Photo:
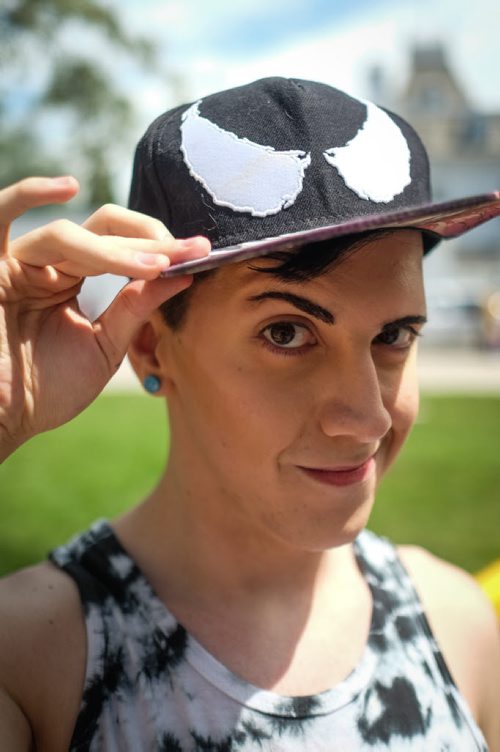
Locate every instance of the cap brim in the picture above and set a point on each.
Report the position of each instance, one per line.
(441, 220)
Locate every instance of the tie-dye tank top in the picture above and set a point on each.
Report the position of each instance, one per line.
(150, 686)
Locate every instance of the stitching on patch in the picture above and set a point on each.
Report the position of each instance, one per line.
(254, 179)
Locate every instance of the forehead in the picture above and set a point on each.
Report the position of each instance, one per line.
(390, 265)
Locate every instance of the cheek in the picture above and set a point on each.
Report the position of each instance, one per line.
(404, 411)
(233, 413)
(262, 417)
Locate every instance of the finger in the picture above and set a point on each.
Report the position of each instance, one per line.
(116, 220)
(31, 192)
(75, 250)
(177, 250)
(132, 307)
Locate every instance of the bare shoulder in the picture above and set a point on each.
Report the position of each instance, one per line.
(444, 585)
(43, 650)
(465, 626)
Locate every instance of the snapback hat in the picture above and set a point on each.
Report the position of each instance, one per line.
(280, 163)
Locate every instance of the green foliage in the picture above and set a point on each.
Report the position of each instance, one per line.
(25, 15)
(96, 115)
(20, 156)
(45, 17)
(443, 493)
(91, 94)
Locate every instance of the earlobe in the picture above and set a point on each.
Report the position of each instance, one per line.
(143, 356)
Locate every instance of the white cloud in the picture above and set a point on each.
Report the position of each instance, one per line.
(341, 52)
(340, 58)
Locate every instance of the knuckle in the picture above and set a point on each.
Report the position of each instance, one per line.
(102, 215)
(159, 229)
(23, 191)
(59, 229)
(150, 227)
(131, 303)
(106, 210)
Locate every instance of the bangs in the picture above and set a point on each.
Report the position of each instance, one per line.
(312, 260)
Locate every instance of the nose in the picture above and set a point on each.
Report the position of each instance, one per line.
(351, 402)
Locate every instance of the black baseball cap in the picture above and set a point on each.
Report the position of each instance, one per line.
(281, 163)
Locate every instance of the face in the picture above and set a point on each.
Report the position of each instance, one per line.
(289, 401)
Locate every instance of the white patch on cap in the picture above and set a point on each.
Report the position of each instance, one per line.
(238, 173)
(375, 164)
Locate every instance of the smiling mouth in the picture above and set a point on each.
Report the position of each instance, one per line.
(342, 476)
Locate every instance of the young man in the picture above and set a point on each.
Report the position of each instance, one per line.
(242, 605)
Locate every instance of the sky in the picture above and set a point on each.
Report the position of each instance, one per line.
(221, 43)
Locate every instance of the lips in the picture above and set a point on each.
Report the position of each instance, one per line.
(342, 476)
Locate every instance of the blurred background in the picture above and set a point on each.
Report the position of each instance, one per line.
(80, 80)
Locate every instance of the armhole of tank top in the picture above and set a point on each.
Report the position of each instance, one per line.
(460, 703)
(95, 660)
(425, 624)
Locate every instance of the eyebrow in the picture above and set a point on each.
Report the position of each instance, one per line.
(307, 306)
(405, 321)
(303, 304)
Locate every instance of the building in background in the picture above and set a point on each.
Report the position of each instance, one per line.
(464, 149)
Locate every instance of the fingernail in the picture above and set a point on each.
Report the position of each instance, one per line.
(153, 259)
(62, 180)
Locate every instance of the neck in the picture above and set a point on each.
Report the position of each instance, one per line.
(199, 534)
(266, 609)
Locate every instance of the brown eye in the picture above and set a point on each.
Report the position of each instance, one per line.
(287, 335)
(397, 337)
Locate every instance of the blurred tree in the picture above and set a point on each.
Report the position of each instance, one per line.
(56, 88)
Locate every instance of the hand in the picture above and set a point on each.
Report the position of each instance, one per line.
(53, 360)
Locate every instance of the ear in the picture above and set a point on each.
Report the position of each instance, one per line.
(143, 351)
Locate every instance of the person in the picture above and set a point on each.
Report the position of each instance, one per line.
(274, 244)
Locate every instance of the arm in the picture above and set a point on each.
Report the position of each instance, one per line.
(53, 360)
(15, 732)
(466, 629)
(42, 659)
(53, 363)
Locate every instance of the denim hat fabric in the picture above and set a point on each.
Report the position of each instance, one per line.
(280, 163)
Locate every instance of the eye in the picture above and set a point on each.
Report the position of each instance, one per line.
(398, 337)
(286, 335)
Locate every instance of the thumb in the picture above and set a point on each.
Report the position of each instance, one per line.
(130, 309)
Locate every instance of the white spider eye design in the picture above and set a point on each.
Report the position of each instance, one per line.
(375, 164)
(250, 177)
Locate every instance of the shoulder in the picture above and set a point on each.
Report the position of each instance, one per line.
(465, 627)
(446, 586)
(43, 650)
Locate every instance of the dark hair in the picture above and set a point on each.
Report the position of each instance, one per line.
(174, 310)
(299, 265)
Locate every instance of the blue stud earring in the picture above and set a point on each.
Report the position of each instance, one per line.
(152, 383)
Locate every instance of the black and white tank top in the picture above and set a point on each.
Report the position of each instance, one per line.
(151, 686)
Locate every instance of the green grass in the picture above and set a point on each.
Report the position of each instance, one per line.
(444, 492)
(95, 466)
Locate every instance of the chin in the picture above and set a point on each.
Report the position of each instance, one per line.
(336, 527)
(344, 535)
